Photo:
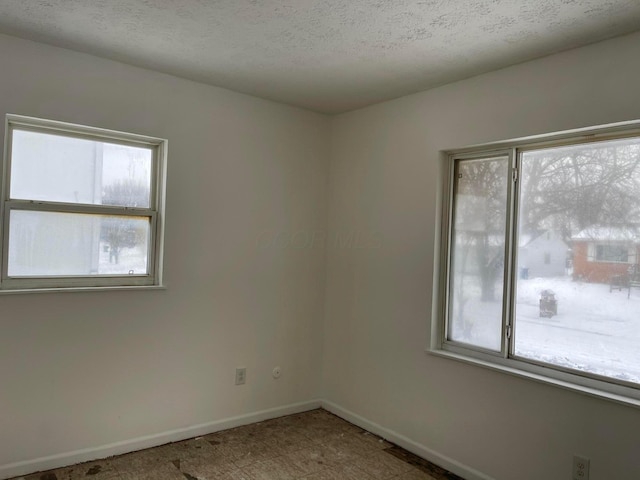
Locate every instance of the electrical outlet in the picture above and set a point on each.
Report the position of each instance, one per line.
(276, 372)
(580, 468)
(241, 376)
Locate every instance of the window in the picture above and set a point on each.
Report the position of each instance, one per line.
(81, 206)
(574, 323)
(612, 253)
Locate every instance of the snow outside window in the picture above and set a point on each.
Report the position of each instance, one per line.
(578, 321)
(81, 207)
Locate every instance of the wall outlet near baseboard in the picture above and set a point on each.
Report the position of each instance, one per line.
(580, 468)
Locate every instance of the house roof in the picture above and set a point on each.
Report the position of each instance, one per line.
(525, 239)
(608, 233)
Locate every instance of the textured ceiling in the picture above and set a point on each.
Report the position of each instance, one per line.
(326, 55)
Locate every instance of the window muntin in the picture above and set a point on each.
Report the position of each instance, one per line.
(574, 190)
(81, 206)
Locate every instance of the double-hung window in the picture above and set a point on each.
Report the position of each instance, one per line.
(81, 207)
(539, 259)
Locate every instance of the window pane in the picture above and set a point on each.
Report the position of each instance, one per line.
(59, 244)
(580, 311)
(478, 251)
(56, 168)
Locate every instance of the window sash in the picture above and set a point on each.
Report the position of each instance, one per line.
(49, 281)
(506, 359)
(84, 133)
(455, 162)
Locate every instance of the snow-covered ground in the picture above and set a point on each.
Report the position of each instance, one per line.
(129, 259)
(595, 330)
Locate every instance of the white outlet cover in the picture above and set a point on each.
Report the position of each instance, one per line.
(276, 372)
(241, 375)
(580, 468)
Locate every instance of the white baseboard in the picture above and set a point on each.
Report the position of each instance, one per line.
(70, 458)
(439, 459)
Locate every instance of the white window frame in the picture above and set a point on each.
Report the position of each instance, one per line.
(603, 387)
(155, 212)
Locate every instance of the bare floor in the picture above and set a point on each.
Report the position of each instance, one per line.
(314, 445)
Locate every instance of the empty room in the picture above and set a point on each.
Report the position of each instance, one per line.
(320, 239)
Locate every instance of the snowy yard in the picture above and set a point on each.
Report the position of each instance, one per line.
(132, 259)
(595, 330)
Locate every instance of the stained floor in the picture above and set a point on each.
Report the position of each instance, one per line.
(315, 445)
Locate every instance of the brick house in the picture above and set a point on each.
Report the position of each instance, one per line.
(600, 253)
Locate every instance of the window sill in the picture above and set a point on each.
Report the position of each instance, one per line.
(22, 291)
(567, 385)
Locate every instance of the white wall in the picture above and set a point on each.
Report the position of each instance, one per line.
(82, 370)
(384, 174)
